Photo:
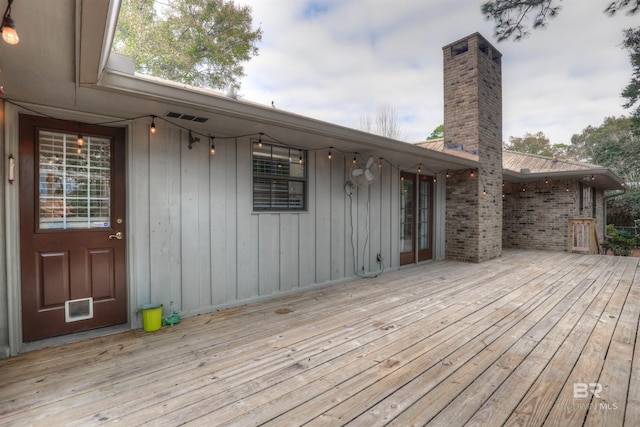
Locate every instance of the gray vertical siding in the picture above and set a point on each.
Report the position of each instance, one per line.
(4, 300)
(196, 244)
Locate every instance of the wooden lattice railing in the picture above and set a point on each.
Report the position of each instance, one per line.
(583, 236)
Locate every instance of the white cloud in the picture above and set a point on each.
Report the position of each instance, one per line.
(337, 60)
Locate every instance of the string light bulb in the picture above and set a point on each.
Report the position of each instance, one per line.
(472, 173)
(9, 33)
(300, 159)
(446, 174)
(152, 128)
(435, 178)
(420, 168)
(330, 156)
(260, 140)
(212, 150)
(354, 158)
(80, 140)
(380, 163)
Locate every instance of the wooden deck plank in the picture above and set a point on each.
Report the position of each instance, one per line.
(234, 360)
(526, 337)
(445, 341)
(174, 345)
(539, 383)
(389, 362)
(316, 384)
(608, 407)
(519, 299)
(571, 410)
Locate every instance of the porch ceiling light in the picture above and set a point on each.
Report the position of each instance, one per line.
(9, 33)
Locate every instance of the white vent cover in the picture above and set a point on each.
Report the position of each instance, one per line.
(78, 309)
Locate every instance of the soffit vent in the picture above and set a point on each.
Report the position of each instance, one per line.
(188, 117)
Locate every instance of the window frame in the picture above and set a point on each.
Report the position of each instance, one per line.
(281, 175)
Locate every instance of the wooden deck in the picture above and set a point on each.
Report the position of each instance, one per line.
(532, 338)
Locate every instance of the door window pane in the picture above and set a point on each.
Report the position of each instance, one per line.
(406, 216)
(74, 181)
(424, 238)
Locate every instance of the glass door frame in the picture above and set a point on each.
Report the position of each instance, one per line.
(411, 217)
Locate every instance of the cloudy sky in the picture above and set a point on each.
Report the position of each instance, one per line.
(337, 60)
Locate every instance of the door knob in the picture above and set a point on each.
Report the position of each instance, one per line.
(118, 236)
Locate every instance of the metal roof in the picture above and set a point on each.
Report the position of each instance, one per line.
(523, 167)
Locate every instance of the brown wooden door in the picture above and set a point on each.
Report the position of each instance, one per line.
(72, 212)
(416, 218)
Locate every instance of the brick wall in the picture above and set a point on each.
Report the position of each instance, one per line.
(462, 228)
(538, 218)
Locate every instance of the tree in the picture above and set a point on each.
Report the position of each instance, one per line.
(510, 15)
(437, 133)
(632, 91)
(533, 144)
(387, 122)
(614, 144)
(196, 42)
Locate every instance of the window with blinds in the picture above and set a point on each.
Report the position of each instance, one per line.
(74, 181)
(279, 178)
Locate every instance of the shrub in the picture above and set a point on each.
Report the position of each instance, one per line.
(619, 242)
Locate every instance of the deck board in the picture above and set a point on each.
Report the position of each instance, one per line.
(443, 343)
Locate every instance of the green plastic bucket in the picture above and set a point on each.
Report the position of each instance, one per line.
(151, 317)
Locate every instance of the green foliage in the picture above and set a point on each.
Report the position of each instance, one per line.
(534, 144)
(437, 133)
(632, 91)
(623, 210)
(616, 145)
(618, 242)
(196, 42)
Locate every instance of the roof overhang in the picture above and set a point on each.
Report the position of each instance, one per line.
(602, 178)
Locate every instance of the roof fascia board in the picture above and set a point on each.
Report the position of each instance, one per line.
(95, 27)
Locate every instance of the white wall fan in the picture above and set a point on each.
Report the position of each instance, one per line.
(365, 170)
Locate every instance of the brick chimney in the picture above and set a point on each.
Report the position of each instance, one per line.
(473, 123)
